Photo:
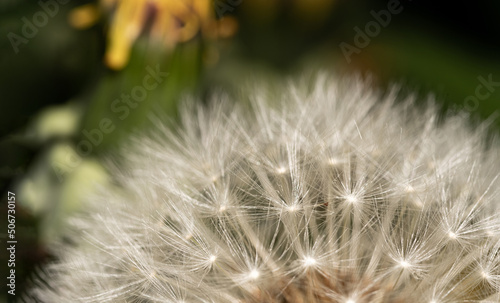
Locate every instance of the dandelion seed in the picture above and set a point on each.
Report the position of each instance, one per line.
(410, 189)
(333, 161)
(292, 208)
(222, 208)
(309, 261)
(352, 199)
(404, 264)
(281, 170)
(254, 274)
(485, 275)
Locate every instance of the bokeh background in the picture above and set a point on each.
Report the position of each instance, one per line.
(70, 70)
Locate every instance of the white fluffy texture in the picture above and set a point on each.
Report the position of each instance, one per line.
(334, 195)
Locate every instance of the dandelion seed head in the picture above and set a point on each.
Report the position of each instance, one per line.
(307, 200)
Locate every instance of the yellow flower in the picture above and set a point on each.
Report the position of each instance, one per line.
(168, 21)
(172, 21)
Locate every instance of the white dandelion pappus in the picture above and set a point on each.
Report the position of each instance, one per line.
(336, 194)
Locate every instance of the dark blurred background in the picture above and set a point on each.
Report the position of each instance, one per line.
(61, 77)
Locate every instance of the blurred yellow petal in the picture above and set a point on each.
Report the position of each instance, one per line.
(190, 28)
(84, 16)
(164, 28)
(182, 12)
(204, 10)
(108, 3)
(227, 27)
(168, 21)
(118, 52)
(124, 30)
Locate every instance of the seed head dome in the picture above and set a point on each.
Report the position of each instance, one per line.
(327, 192)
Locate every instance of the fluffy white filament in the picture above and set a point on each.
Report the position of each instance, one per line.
(330, 194)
